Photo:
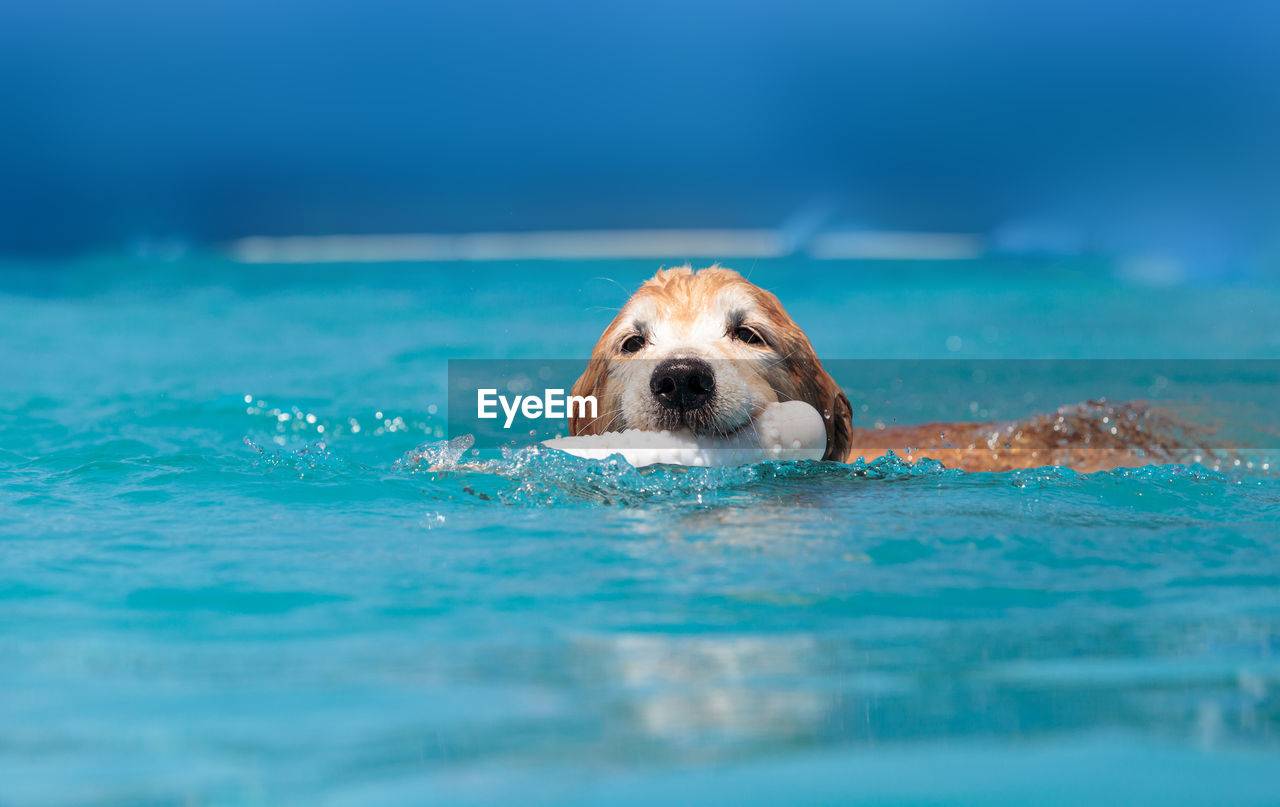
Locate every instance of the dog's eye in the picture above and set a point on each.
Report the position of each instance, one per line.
(749, 335)
(633, 343)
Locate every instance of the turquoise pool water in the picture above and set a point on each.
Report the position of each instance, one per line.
(220, 583)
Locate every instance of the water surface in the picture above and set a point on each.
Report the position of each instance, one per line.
(223, 579)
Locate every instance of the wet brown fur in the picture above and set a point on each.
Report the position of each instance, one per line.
(1087, 437)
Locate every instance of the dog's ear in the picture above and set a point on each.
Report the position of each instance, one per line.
(818, 389)
(840, 424)
(591, 382)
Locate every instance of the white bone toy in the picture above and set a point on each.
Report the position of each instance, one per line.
(782, 431)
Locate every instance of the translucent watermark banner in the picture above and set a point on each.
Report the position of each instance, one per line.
(990, 404)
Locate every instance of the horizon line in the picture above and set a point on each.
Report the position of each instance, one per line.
(670, 244)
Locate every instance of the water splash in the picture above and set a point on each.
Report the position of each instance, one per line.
(536, 476)
(313, 460)
(544, 477)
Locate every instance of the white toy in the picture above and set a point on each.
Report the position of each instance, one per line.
(783, 431)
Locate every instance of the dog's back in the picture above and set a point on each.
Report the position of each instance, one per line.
(1091, 436)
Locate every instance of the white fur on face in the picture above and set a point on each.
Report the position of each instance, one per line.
(741, 389)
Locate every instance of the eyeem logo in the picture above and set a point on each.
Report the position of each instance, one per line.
(553, 405)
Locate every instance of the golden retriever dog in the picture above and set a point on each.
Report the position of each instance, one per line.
(707, 350)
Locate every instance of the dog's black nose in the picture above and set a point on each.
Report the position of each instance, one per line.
(684, 384)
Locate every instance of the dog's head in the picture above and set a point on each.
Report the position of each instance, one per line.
(706, 351)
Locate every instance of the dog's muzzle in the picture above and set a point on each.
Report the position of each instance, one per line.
(683, 384)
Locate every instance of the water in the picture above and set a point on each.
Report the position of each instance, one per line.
(224, 579)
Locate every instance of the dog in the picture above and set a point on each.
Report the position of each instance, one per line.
(707, 350)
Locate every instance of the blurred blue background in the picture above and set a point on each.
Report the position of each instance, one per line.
(1138, 128)
(229, 577)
